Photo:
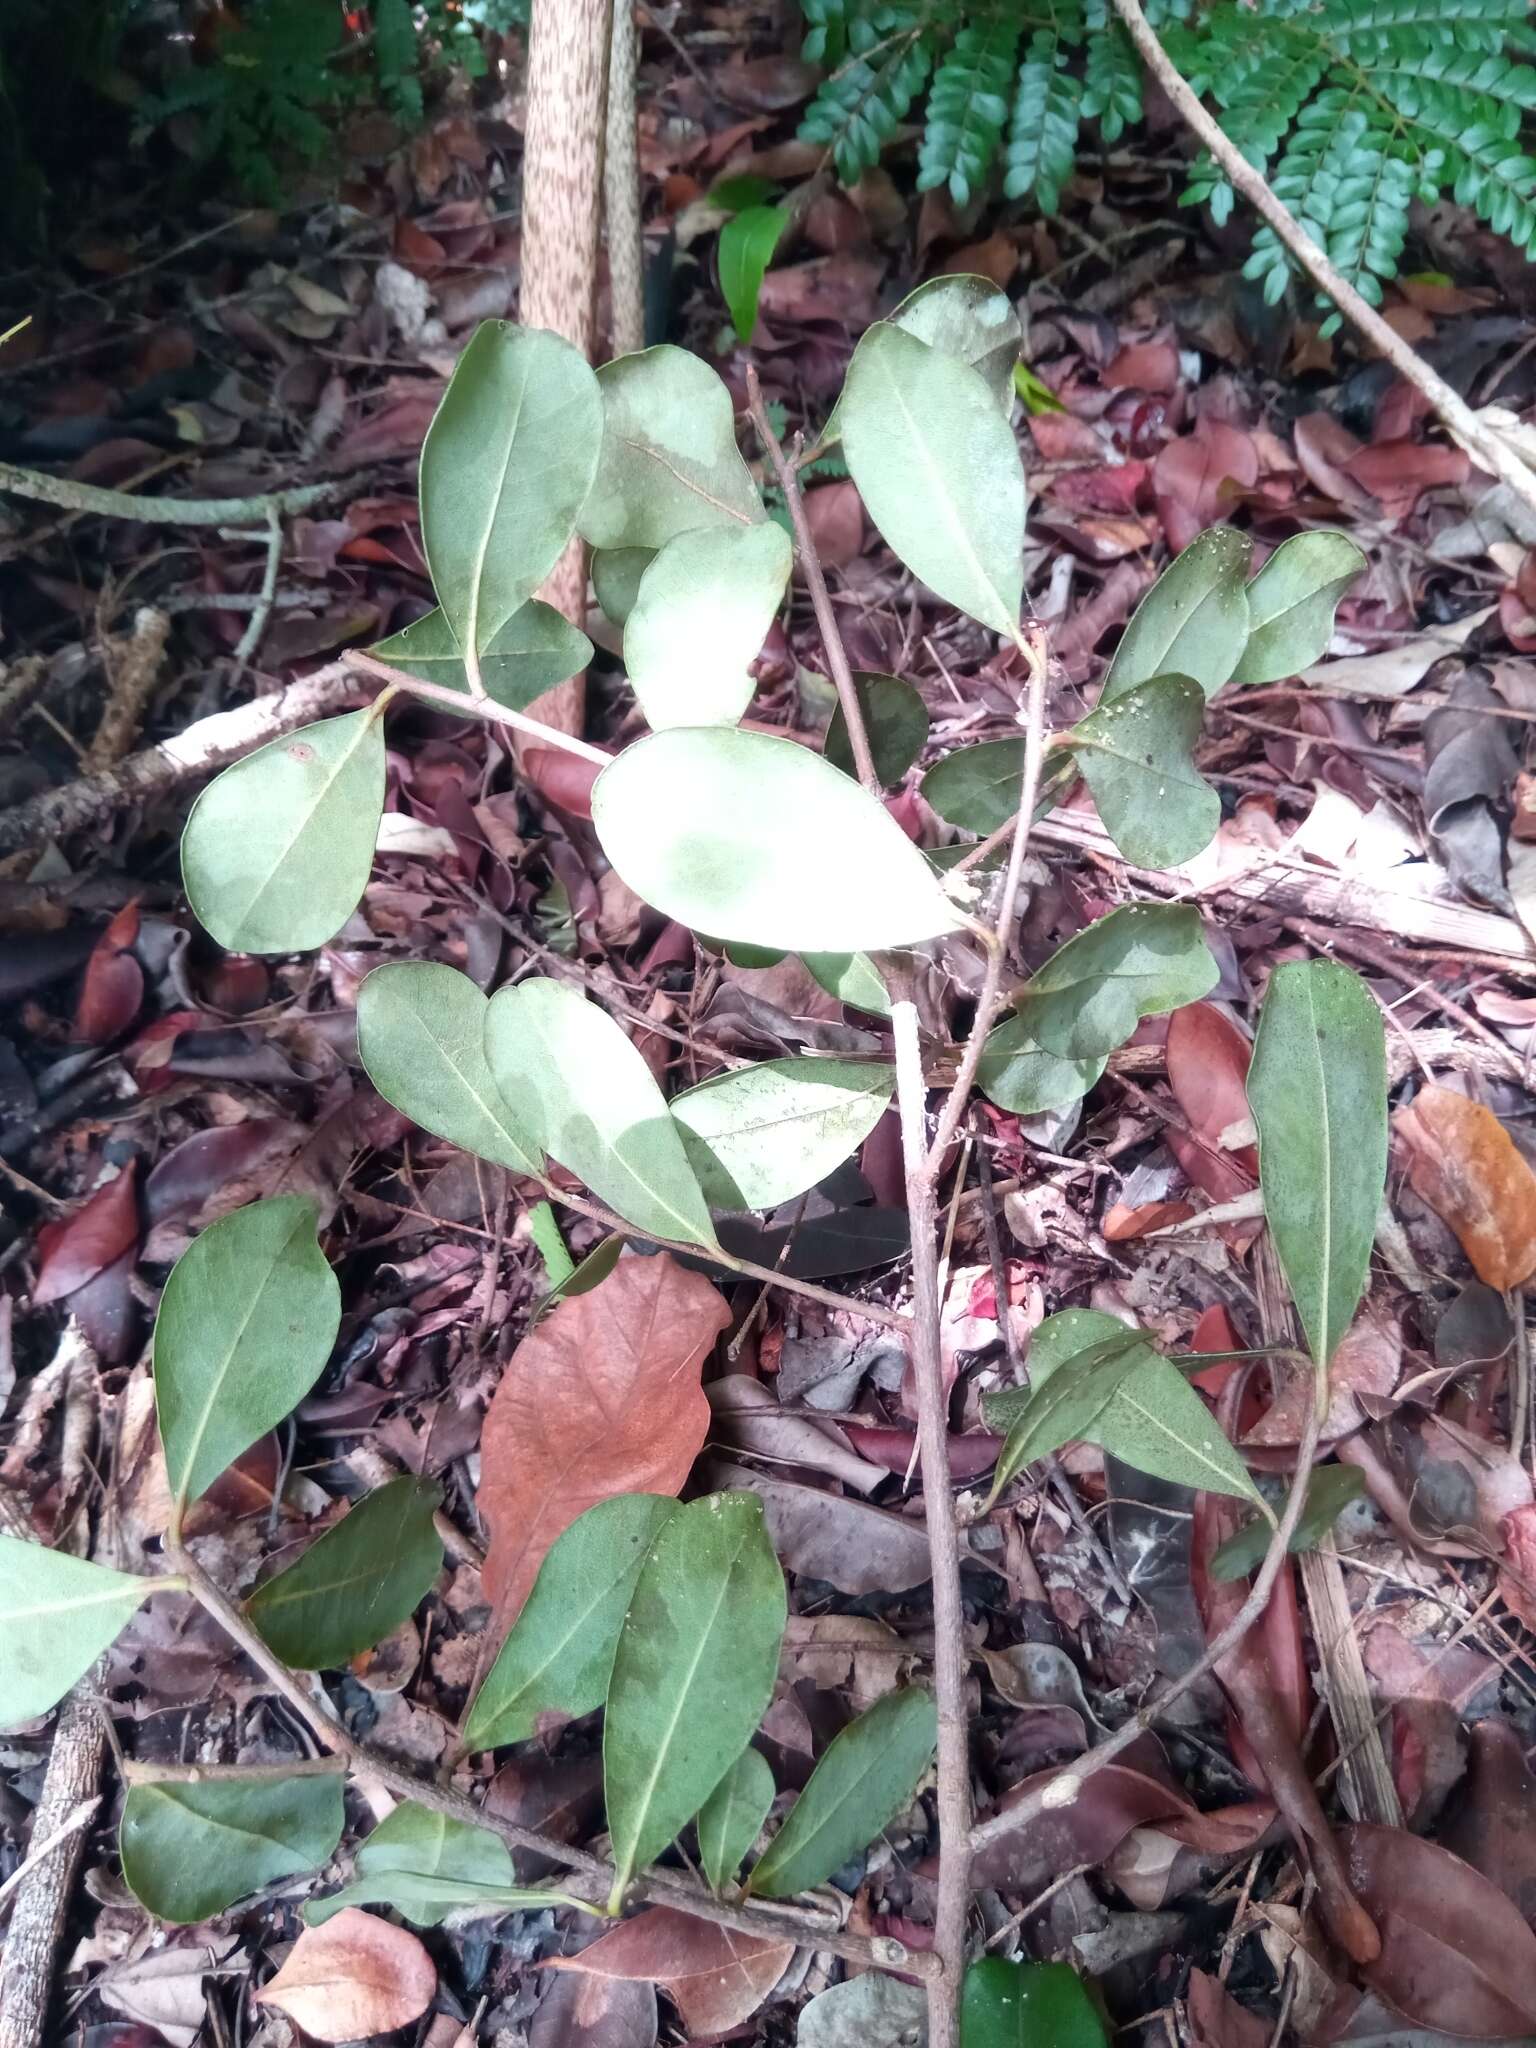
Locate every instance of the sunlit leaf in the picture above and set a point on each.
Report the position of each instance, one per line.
(1291, 603)
(977, 788)
(533, 651)
(1317, 1087)
(968, 318)
(507, 463)
(692, 1674)
(421, 1038)
(868, 1775)
(57, 1614)
(190, 1850)
(357, 1583)
(1139, 961)
(754, 839)
(246, 1324)
(1137, 757)
(1192, 622)
(939, 470)
(426, 1865)
(747, 244)
(700, 617)
(277, 850)
(764, 1134)
(896, 720)
(592, 1103)
(1027, 2005)
(557, 1659)
(670, 460)
(731, 1818)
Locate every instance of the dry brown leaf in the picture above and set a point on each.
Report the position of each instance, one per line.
(602, 1398)
(1464, 1164)
(715, 1976)
(354, 1977)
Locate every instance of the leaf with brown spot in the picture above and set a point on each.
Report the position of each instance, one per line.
(715, 1976)
(602, 1398)
(1464, 1164)
(352, 1978)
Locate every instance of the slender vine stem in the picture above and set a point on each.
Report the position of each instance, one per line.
(467, 704)
(92, 498)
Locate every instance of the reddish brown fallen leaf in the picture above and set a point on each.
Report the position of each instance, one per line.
(1397, 473)
(969, 1455)
(354, 1977)
(1216, 2020)
(602, 1398)
(1197, 479)
(1144, 366)
(563, 778)
(1493, 1825)
(594, 2012)
(835, 514)
(113, 987)
(1517, 1573)
(1455, 1954)
(715, 1976)
(1164, 1861)
(1368, 1361)
(1112, 1801)
(89, 1240)
(1121, 1224)
(1464, 1164)
(1208, 1071)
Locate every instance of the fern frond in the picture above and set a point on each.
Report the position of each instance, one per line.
(1329, 134)
(1047, 110)
(394, 56)
(1464, 24)
(968, 104)
(1111, 77)
(859, 107)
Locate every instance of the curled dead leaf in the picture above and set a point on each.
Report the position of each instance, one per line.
(353, 1977)
(1464, 1164)
(715, 1976)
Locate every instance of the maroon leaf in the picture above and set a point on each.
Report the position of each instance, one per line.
(1493, 1827)
(113, 987)
(83, 1244)
(1197, 480)
(715, 1976)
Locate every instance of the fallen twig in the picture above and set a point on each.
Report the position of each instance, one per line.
(74, 497)
(47, 1879)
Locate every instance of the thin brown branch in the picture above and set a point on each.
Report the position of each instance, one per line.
(42, 1898)
(816, 584)
(472, 705)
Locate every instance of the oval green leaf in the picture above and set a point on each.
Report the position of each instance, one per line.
(558, 1657)
(1317, 1087)
(57, 1615)
(868, 1775)
(756, 840)
(533, 651)
(191, 1850)
(425, 1864)
(732, 1817)
(357, 1583)
(1017, 1073)
(246, 1324)
(968, 318)
(616, 574)
(764, 1134)
(1192, 622)
(747, 244)
(421, 1038)
(277, 850)
(852, 978)
(939, 470)
(977, 788)
(700, 617)
(1329, 1492)
(1291, 603)
(1027, 2005)
(670, 460)
(692, 1674)
(1137, 757)
(896, 719)
(592, 1103)
(507, 463)
(1139, 961)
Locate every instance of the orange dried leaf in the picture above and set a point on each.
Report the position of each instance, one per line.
(1464, 1164)
(352, 1978)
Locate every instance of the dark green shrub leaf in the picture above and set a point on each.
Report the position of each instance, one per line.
(896, 719)
(939, 470)
(756, 840)
(425, 1865)
(246, 1324)
(747, 244)
(559, 1654)
(968, 318)
(670, 460)
(764, 1134)
(852, 978)
(1291, 603)
(616, 574)
(357, 1583)
(277, 850)
(1137, 757)
(1318, 1091)
(1027, 2005)
(1329, 1492)
(592, 1103)
(692, 1674)
(191, 1850)
(505, 468)
(533, 651)
(1019, 1074)
(1138, 962)
(731, 1818)
(57, 1614)
(867, 1776)
(699, 619)
(1192, 622)
(977, 788)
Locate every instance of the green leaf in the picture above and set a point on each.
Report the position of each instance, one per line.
(758, 841)
(1027, 2005)
(1137, 757)
(896, 719)
(191, 1850)
(533, 651)
(703, 610)
(1064, 1408)
(1018, 1074)
(732, 1817)
(277, 850)
(424, 1864)
(421, 1038)
(57, 1615)
(616, 574)
(670, 460)
(747, 244)
(1318, 1091)
(1291, 603)
(764, 1134)
(357, 1583)
(692, 1674)
(593, 1104)
(246, 1324)
(1192, 622)
(967, 318)
(506, 466)
(939, 470)
(1330, 1490)
(558, 1657)
(867, 1776)
(852, 978)
(977, 788)
(1140, 961)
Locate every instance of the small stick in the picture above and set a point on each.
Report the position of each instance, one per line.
(63, 490)
(478, 705)
(42, 1898)
(250, 639)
